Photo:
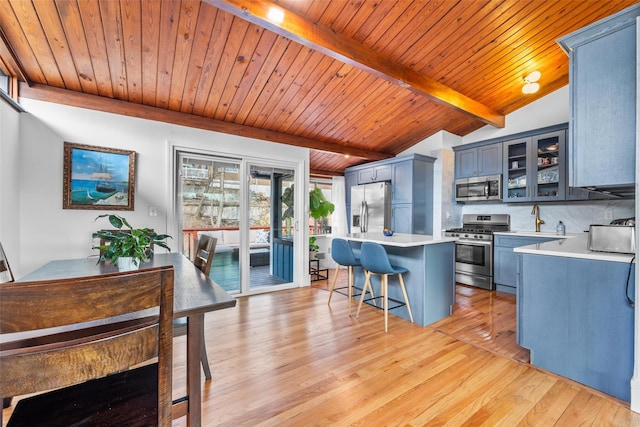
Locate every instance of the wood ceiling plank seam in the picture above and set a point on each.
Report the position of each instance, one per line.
(189, 11)
(417, 12)
(20, 43)
(323, 98)
(169, 18)
(264, 74)
(96, 44)
(112, 29)
(78, 45)
(349, 22)
(331, 13)
(430, 44)
(281, 80)
(462, 38)
(336, 95)
(131, 18)
(247, 51)
(390, 25)
(449, 64)
(295, 94)
(257, 61)
(116, 106)
(215, 49)
(548, 57)
(377, 104)
(355, 99)
(151, 13)
(394, 117)
(517, 40)
(409, 41)
(371, 88)
(380, 12)
(348, 51)
(302, 103)
(11, 65)
(304, 63)
(47, 14)
(231, 51)
(206, 20)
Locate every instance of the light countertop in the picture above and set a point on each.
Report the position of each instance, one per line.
(575, 247)
(398, 239)
(537, 234)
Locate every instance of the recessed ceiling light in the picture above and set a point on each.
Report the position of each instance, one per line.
(275, 15)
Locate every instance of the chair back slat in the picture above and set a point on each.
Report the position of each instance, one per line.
(77, 351)
(204, 253)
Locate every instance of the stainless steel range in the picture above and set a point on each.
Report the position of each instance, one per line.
(474, 248)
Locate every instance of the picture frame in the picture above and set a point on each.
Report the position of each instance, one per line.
(98, 178)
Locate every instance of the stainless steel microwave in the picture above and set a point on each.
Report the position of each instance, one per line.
(480, 188)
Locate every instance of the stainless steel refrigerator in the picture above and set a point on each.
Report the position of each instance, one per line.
(370, 207)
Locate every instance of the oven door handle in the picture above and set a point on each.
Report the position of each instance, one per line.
(474, 242)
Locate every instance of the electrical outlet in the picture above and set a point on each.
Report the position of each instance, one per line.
(153, 211)
(608, 214)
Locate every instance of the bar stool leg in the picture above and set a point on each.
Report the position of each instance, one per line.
(350, 285)
(333, 284)
(367, 285)
(385, 299)
(406, 298)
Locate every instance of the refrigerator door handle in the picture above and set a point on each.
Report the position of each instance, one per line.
(365, 216)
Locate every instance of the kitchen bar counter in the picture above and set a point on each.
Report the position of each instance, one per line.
(398, 239)
(430, 281)
(575, 247)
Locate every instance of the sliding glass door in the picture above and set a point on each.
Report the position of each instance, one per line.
(209, 203)
(252, 219)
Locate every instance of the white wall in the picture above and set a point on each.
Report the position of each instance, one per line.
(49, 232)
(9, 183)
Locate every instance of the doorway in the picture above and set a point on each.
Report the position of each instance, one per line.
(248, 217)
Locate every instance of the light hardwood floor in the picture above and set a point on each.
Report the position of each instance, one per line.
(289, 359)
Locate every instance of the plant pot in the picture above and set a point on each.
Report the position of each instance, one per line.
(312, 254)
(128, 264)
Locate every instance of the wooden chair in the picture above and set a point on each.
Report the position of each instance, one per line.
(203, 259)
(106, 326)
(5, 270)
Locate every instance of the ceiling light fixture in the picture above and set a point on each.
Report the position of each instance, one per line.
(275, 15)
(530, 85)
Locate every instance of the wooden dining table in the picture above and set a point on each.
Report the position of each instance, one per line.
(194, 295)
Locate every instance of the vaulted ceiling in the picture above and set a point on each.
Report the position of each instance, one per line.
(354, 80)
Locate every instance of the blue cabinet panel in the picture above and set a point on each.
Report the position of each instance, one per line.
(574, 317)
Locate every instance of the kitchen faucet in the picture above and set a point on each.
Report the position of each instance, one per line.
(536, 211)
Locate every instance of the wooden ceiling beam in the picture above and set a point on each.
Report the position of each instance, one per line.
(344, 49)
(115, 106)
(9, 62)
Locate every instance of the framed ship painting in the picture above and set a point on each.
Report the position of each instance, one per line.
(98, 178)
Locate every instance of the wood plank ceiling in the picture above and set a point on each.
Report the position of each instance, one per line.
(353, 80)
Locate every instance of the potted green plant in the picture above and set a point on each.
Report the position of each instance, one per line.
(126, 246)
(313, 247)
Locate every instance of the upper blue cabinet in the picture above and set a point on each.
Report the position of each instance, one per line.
(602, 131)
(479, 161)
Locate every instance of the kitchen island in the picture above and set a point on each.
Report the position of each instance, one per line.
(575, 312)
(430, 281)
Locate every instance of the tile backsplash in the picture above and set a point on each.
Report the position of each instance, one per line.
(576, 216)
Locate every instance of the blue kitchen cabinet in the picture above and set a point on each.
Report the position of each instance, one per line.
(602, 83)
(411, 179)
(505, 261)
(575, 318)
(374, 173)
(478, 161)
